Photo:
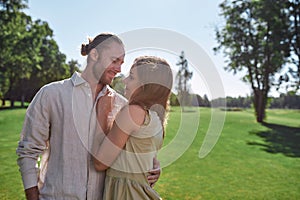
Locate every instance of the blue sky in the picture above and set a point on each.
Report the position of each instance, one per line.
(73, 21)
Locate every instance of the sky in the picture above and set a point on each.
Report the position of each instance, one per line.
(192, 20)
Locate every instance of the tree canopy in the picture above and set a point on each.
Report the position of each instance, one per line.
(256, 40)
(29, 55)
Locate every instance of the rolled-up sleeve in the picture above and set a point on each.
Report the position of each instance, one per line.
(34, 137)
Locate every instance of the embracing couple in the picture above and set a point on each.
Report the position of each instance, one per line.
(89, 141)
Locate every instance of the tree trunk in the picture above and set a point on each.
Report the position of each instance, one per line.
(182, 102)
(12, 103)
(22, 101)
(259, 105)
(3, 102)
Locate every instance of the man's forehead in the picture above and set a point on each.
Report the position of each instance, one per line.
(116, 50)
(118, 57)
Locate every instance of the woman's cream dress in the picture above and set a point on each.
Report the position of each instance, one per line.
(127, 177)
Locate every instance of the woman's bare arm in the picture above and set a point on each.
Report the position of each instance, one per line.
(127, 122)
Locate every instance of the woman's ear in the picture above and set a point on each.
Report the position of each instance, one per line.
(94, 54)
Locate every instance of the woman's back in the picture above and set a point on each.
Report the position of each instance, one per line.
(127, 177)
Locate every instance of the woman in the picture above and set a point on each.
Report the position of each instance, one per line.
(137, 132)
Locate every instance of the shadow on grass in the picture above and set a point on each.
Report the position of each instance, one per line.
(279, 139)
(11, 108)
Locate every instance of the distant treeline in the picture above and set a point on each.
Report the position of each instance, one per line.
(286, 101)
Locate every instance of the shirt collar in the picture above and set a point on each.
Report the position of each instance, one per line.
(77, 79)
(104, 91)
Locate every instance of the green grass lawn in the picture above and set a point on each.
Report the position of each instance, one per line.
(249, 161)
(10, 126)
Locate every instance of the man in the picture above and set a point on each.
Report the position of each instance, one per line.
(61, 125)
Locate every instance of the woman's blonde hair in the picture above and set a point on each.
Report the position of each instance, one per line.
(156, 78)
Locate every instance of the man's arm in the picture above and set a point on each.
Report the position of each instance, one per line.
(32, 143)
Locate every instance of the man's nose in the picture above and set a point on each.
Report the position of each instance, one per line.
(118, 68)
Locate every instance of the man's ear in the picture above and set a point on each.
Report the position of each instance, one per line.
(94, 54)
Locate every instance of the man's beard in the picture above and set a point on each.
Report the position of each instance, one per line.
(98, 71)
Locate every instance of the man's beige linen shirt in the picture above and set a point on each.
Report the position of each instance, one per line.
(61, 126)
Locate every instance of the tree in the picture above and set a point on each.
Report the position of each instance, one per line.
(29, 56)
(293, 7)
(255, 41)
(287, 101)
(182, 78)
(74, 66)
(7, 32)
(14, 35)
(173, 100)
(196, 100)
(118, 84)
